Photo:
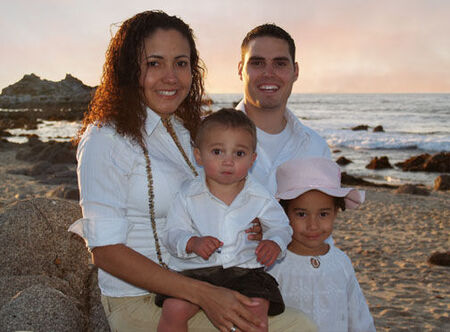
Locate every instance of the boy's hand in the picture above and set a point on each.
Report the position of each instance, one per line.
(267, 252)
(203, 246)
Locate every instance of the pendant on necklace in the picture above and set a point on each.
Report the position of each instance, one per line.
(315, 262)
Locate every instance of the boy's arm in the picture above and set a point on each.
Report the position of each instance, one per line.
(178, 229)
(275, 224)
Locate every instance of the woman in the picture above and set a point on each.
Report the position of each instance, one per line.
(134, 152)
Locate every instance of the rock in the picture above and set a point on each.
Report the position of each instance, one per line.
(439, 162)
(360, 127)
(412, 189)
(440, 258)
(343, 161)
(53, 152)
(442, 182)
(378, 129)
(379, 163)
(32, 91)
(64, 191)
(35, 241)
(41, 308)
(11, 285)
(336, 151)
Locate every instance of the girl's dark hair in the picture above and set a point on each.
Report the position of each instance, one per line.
(119, 98)
(339, 203)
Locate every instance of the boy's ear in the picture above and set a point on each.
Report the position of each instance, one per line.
(198, 156)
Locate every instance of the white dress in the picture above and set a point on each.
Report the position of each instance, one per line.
(328, 293)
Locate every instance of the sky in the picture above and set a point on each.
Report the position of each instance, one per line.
(343, 46)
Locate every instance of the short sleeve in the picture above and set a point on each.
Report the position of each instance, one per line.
(104, 163)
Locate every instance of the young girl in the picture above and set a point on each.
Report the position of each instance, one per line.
(316, 277)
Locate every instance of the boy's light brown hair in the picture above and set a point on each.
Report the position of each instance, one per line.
(226, 118)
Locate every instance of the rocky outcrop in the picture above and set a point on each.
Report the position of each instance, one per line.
(342, 161)
(32, 91)
(442, 182)
(46, 281)
(379, 163)
(360, 127)
(439, 162)
(412, 190)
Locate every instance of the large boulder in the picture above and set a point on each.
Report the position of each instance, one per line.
(35, 241)
(41, 308)
(11, 285)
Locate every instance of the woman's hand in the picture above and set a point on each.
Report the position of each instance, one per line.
(226, 309)
(255, 231)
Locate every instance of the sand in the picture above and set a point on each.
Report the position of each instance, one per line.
(389, 239)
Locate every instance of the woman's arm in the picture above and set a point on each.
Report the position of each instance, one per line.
(225, 308)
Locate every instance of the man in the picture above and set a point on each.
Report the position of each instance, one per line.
(268, 70)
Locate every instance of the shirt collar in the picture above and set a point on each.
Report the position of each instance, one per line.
(152, 121)
(252, 187)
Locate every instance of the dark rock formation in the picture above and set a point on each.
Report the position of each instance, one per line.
(379, 163)
(442, 182)
(360, 127)
(350, 180)
(343, 161)
(32, 91)
(378, 129)
(412, 189)
(440, 258)
(439, 162)
(52, 151)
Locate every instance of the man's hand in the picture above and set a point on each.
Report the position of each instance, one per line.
(267, 252)
(203, 246)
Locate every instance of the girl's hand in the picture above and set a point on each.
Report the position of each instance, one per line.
(226, 309)
(267, 252)
(203, 246)
(255, 231)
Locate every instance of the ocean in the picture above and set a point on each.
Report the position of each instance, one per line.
(413, 124)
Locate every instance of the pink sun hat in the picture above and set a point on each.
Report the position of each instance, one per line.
(298, 176)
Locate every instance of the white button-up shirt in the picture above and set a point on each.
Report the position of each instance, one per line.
(196, 212)
(329, 294)
(303, 142)
(114, 190)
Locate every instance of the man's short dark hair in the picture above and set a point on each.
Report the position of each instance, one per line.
(268, 30)
(228, 118)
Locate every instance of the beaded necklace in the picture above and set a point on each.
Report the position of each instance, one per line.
(151, 194)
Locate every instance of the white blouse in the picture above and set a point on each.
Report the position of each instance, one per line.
(114, 191)
(197, 212)
(328, 293)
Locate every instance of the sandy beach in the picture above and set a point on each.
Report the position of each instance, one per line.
(389, 240)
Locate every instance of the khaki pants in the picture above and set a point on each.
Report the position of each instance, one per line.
(139, 314)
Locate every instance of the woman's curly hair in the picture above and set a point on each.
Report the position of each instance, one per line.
(119, 98)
